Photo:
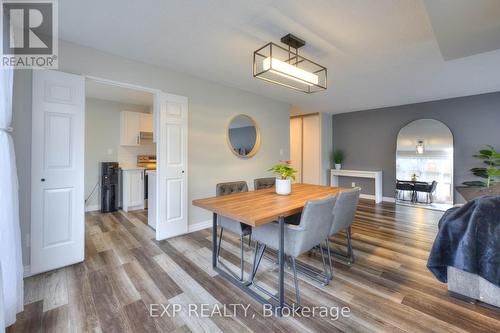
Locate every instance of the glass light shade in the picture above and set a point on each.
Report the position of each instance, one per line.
(420, 148)
(290, 71)
(279, 65)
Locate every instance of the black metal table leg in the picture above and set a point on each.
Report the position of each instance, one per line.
(214, 240)
(281, 255)
(244, 286)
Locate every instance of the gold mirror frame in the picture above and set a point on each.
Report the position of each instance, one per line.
(256, 146)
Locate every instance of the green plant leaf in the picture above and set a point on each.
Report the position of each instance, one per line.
(474, 183)
(479, 172)
(485, 152)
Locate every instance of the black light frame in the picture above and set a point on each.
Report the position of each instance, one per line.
(291, 56)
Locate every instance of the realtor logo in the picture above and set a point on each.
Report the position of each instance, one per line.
(29, 34)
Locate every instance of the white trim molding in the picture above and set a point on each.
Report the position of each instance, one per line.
(92, 208)
(372, 197)
(199, 226)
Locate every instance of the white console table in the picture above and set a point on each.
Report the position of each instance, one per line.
(377, 175)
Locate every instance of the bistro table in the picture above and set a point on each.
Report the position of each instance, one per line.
(256, 208)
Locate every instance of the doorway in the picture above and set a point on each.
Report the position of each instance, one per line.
(424, 165)
(305, 147)
(60, 188)
(120, 150)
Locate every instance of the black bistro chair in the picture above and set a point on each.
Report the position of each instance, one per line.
(402, 187)
(428, 189)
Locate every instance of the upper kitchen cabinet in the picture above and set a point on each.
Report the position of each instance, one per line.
(136, 128)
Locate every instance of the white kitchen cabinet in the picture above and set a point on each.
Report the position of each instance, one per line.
(132, 124)
(146, 122)
(133, 189)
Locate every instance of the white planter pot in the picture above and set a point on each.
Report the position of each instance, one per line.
(283, 186)
(338, 166)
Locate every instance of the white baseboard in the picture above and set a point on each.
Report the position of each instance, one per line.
(200, 226)
(92, 208)
(27, 271)
(372, 197)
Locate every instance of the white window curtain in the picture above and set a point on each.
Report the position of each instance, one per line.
(10, 234)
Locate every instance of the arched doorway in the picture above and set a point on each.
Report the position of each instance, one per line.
(424, 163)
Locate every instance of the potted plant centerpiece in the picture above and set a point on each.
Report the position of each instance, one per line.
(338, 158)
(490, 173)
(285, 174)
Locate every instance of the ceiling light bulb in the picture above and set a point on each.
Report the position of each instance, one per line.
(292, 72)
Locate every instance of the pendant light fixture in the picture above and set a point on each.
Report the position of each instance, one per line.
(420, 147)
(284, 66)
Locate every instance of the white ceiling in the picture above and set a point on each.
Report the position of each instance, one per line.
(435, 135)
(464, 27)
(378, 53)
(108, 92)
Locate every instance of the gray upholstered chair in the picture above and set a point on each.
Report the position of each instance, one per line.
(231, 225)
(262, 183)
(344, 212)
(315, 225)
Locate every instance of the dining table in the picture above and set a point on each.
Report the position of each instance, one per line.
(256, 208)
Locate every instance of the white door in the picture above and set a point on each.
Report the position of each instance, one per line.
(57, 171)
(171, 151)
(296, 146)
(311, 150)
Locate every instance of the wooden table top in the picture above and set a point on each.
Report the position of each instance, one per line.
(263, 206)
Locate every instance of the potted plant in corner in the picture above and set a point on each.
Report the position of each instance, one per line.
(490, 173)
(338, 158)
(285, 174)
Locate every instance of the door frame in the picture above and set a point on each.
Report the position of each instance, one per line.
(157, 93)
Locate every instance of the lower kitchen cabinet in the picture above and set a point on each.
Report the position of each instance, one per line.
(133, 189)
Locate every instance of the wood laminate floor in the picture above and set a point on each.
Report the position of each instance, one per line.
(388, 289)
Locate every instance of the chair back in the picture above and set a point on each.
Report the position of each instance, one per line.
(315, 224)
(222, 189)
(422, 187)
(261, 183)
(403, 186)
(345, 209)
(433, 186)
(230, 188)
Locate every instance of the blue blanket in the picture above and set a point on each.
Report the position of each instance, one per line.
(469, 239)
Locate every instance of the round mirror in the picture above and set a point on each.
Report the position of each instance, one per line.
(424, 160)
(243, 136)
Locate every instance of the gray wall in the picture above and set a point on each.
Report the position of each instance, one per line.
(369, 137)
(211, 105)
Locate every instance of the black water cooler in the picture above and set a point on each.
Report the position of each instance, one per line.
(109, 186)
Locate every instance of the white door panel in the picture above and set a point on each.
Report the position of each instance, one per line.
(172, 167)
(57, 199)
(174, 199)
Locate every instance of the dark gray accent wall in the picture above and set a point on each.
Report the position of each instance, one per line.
(369, 137)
